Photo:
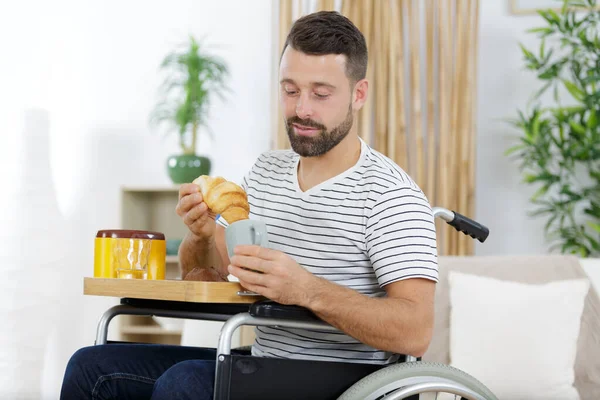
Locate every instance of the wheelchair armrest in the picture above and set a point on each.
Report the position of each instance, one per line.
(271, 309)
(222, 309)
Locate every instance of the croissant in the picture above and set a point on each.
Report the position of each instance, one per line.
(224, 197)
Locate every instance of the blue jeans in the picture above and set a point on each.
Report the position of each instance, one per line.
(140, 371)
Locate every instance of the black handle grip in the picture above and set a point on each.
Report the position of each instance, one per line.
(469, 227)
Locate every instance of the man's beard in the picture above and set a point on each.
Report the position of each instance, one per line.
(320, 143)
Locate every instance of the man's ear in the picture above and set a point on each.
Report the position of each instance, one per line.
(359, 97)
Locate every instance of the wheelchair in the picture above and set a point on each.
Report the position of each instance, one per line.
(240, 375)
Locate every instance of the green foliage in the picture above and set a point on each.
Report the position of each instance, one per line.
(559, 146)
(192, 77)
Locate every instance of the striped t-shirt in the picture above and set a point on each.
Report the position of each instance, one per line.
(363, 229)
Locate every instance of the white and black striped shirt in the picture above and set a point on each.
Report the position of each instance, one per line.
(363, 229)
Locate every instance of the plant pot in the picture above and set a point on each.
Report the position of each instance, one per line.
(184, 168)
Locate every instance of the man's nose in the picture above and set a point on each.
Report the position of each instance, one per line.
(303, 108)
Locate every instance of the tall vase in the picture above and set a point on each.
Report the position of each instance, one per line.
(31, 254)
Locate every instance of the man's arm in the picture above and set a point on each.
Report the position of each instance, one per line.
(401, 244)
(204, 259)
(401, 323)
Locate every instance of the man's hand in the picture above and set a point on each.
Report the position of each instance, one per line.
(202, 252)
(272, 274)
(194, 212)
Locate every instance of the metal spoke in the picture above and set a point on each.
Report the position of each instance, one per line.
(390, 394)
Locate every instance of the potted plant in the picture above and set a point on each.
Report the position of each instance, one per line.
(559, 145)
(192, 78)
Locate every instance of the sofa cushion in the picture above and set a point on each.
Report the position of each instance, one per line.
(518, 339)
(525, 269)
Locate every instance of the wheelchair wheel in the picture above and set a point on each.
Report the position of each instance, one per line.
(400, 381)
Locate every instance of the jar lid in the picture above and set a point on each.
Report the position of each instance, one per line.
(129, 234)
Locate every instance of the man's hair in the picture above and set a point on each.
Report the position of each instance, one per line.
(329, 32)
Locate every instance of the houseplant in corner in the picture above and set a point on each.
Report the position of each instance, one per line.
(559, 145)
(193, 78)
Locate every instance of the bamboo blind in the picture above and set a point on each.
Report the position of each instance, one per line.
(421, 107)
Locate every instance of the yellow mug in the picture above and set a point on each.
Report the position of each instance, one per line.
(130, 254)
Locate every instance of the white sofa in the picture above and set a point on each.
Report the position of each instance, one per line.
(537, 271)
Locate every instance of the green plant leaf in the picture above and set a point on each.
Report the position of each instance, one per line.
(530, 178)
(591, 79)
(567, 247)
(549, 223)
(542, 48)
(540, 192)
(571, 110)
(554, 15)
(595, 244)
(528, 54)
(592, 121)
(551, 18)
(542, 177)
(577, 128)
(548, 74)
(594, 226)
(540, 211)
(535, 125)
(566, 190)
(594, 174)
(543, 30)
(576, 92)
(514, 149)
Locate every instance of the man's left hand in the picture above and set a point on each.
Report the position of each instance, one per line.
(272, 274)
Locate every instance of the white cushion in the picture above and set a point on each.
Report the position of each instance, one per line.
(518, 339)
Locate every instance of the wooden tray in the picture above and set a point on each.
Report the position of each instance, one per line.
(174, 290)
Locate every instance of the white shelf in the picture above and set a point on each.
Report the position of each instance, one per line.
(152, 207)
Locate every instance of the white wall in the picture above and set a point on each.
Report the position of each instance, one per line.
(503, 86)
(93, 66)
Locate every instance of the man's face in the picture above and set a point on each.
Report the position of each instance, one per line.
(316, 98)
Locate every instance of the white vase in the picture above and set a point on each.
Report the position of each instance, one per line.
(31, 256)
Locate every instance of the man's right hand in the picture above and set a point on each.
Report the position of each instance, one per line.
(194, 212)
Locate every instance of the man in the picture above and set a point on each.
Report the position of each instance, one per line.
(352, 237)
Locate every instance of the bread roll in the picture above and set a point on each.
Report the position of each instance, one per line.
(224, 197)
